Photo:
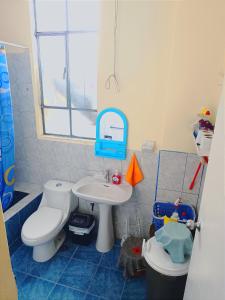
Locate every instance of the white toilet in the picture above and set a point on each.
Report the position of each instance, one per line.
(43, 230)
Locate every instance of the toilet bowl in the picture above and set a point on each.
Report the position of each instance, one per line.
(43, 230)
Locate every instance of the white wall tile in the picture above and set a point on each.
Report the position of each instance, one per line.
(112, 165)
(122, 212)
(144, 215)
(191, 166)
(190, 199)
(201, 188)
(171, 171)
(78, 156)
(120, 229)
(167, 195)
(29, 173)
(94, 162)
(24, 125)
(19, 67)
(149, 163)
(22, 94)
(27, 150)
(144, 192)
(77, 174)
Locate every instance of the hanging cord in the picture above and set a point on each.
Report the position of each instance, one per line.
(113, 77)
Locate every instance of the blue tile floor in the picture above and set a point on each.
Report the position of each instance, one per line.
(75, 273)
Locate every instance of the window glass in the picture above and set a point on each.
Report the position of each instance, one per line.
(83, 70)
(83, 15)
(67, 43)
(50, 15)
(53, 69)
(83, 123)
(57, 121)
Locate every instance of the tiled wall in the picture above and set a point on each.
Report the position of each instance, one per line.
(14, 225)
(40, 160)
(176, 170)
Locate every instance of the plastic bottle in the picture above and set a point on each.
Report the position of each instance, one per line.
(116, 178)
(175, 214)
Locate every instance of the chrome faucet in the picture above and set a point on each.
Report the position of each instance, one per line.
(107, 176)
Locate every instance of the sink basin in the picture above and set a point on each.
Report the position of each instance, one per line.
(97, 190)
(106, 195)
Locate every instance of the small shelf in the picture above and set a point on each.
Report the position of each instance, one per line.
(203, 142)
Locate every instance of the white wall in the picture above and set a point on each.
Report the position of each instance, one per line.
(37, 160)
(170, 61)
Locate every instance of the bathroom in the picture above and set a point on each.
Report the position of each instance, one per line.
(155, 63)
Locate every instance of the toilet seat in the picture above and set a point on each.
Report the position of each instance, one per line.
(41, 223)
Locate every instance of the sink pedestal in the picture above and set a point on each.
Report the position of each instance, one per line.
(105, 239)
(96, 190)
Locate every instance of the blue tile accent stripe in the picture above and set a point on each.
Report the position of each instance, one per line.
(13, 228)
(15, 245)
(157, 177)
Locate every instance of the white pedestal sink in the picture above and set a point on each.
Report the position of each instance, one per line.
(106, 195)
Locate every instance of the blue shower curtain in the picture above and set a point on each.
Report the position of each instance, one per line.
(7, 156)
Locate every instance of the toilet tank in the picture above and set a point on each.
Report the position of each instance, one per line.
(58, 194)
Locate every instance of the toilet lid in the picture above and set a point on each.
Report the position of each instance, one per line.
(42, 222)
(160, 261)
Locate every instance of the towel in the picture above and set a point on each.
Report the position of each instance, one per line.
(134, 174)
(177, 240)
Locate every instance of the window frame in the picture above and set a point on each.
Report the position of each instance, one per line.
(69, 107)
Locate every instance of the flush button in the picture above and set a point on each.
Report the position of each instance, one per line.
(58, 184)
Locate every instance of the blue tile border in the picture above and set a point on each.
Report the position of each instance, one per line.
(14, 246)
(13, 228)
(157, 177)
(14, 224)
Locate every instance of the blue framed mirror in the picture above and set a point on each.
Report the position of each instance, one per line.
(111, 134)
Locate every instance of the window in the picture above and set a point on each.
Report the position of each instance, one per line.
(66, 33)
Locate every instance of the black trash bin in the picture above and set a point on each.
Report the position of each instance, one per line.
(165, 279)
(81, 228)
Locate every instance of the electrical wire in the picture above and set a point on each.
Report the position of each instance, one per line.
(113, 77)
